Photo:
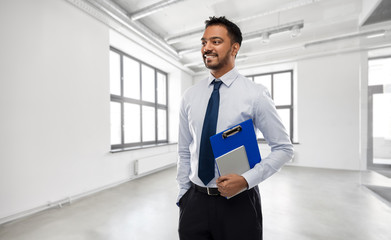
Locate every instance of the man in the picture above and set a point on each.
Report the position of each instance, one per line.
(223, 100)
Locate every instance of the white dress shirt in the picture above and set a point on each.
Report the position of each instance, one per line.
(240, 100)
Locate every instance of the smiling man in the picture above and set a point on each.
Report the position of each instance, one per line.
(218, 102)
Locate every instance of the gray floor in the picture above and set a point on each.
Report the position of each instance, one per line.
(298, 204)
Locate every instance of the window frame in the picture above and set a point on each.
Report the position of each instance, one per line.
(289, 106)
(140, 102)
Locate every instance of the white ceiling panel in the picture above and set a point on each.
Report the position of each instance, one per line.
(177, 26)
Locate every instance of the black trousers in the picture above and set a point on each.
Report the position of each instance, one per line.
(205, 217)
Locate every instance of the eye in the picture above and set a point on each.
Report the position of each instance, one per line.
(216, 42)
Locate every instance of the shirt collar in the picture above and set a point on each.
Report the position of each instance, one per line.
(227, 78)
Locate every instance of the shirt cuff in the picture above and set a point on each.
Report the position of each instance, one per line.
(182, 192)
(251, 180)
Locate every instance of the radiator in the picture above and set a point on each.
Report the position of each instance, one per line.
(154, 163)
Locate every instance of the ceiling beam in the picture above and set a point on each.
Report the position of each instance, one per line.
(369, 34)
(148, 10)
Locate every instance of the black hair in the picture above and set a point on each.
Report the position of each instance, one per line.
(233, 30)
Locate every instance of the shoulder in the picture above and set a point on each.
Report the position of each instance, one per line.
(250, 87)
(196, 88)
(195, 92)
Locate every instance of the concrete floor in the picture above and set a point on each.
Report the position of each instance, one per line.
(298, 204)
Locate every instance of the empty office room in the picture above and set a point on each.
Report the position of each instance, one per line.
(101, 129)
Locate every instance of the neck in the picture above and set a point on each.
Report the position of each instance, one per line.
(217, 73)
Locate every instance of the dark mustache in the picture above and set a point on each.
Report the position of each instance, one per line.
(209, 52)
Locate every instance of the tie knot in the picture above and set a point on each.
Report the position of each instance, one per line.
(217, 84)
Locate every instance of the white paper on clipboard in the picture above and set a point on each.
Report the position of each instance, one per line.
(234, 161)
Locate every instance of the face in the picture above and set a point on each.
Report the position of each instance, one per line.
(217, 51)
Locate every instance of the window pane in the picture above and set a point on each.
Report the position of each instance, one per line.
(148, 84)
(381, 128)
(131, 78)
(379, 71)
(115, 122)
(132, 123)
(115, 73)
(282, 88)
(148, 124)
(162, 124)
(285, 118)
(259, 134)
(161, 89)
(265, 80)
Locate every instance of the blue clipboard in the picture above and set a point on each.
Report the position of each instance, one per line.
(242, 134)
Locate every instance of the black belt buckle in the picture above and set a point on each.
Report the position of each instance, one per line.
(211, 193)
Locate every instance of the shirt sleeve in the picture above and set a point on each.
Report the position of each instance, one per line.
(266, 119)
(184, 141)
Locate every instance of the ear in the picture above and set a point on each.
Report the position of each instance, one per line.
(235, 49)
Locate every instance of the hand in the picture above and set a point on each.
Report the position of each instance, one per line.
(231, 184)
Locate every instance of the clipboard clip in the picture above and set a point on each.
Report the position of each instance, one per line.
(232, 131)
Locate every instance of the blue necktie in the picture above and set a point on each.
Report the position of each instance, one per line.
(206, 164)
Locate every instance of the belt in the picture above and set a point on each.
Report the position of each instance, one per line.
(207, 190)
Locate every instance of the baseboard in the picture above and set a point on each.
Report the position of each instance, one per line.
(68, 201)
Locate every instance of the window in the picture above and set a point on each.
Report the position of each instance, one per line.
(280, 86)
(138, 107)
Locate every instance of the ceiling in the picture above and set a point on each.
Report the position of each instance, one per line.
(174, 27)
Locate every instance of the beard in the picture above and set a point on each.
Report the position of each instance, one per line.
(219, 64)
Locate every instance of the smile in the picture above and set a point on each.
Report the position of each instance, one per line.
(209, 56)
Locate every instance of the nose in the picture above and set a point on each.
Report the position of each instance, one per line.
(206, 47)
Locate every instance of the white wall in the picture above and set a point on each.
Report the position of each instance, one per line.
(364, 111)
(54, 104)
(329, 111)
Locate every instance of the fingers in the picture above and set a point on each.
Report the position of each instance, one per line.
(231, 184)
(225, 178)
(224, 185)
(224, 191)
(222, 179)
(221, 185)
